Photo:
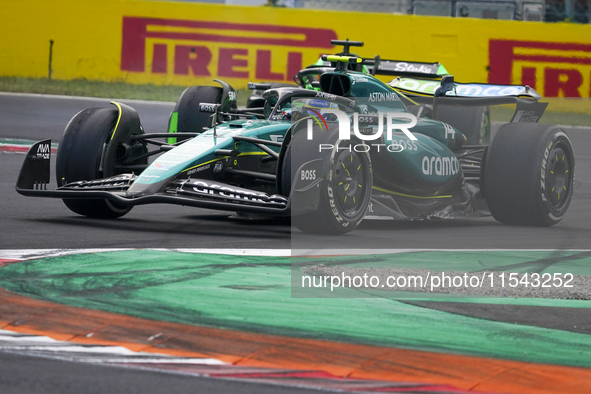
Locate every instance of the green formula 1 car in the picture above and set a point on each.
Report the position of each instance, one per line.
(326, 158)
(412, 78)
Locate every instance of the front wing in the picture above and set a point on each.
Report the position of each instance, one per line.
(35, 176)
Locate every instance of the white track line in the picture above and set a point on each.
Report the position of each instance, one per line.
(42, 345)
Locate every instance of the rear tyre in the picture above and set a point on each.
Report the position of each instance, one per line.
(81, 157)
(529, 174)
(345, 189)
(190, 118)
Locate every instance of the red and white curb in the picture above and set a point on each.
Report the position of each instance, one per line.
(42, 346)
(20, 146)
(36, 345)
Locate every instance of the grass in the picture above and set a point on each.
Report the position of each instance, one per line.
(86, 88)
(110, 90)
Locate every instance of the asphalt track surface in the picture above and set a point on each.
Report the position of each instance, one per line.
(47, 223)
(61, 377)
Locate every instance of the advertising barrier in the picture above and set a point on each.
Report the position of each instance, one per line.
(192, 43)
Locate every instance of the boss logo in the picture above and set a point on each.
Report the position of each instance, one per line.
(368, 119)
(308, 175)
(209, 108)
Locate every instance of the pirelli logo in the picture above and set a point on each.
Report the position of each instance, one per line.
(219, 49)
(553, 69)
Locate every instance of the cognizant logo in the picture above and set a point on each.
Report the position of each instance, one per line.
(371, 130)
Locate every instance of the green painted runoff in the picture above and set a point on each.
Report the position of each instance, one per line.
(254, 294)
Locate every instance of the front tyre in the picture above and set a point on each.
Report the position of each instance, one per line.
(189, 115)
(529, 174)
(345, 189)
(82, 156)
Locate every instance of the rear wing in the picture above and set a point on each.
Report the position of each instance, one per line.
(449, 92)
(404, 68)
(378, 66)
(447, 87)
(394, 68)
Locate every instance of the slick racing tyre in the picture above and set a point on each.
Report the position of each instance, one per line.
(190, 118)
(345, 179)
(529, 174)
(82, 156)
